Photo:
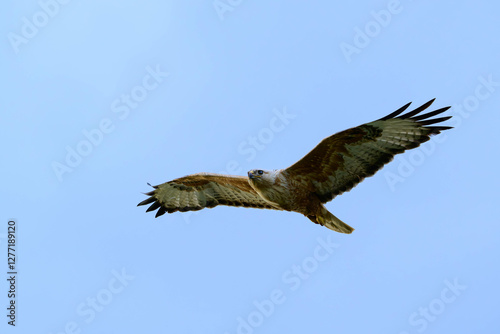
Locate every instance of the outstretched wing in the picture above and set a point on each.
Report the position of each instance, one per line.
(203, 190)
(341, 161)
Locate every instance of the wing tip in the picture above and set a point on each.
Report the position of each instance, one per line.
(435, 130)
(422, 119)
(395, 113)
(147, 201)
(155, 203)
(161, 211)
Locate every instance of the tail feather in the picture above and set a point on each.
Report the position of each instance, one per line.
(333, 223)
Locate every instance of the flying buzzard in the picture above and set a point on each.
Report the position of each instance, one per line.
(335, 165)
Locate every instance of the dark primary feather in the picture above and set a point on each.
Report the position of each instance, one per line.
(417, 110)
(397, 112)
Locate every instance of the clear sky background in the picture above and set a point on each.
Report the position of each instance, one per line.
(101, 97)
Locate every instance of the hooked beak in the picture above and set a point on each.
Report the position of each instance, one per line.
(252, 175)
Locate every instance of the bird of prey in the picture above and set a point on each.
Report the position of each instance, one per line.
(335, 165)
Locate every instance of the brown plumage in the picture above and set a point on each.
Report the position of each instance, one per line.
(335, 165)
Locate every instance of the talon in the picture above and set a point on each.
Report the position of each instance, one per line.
(320, 221)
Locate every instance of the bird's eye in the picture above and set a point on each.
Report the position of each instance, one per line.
(260, 172)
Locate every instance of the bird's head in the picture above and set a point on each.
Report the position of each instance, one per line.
(264, 181)
(260, 179)
(257, 174)
(263, 178)
(260, 175)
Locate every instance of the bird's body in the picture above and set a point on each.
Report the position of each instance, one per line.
(287, 193)
(335, 165)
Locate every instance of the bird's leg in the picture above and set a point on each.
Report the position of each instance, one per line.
(320, 220)
(316, 220)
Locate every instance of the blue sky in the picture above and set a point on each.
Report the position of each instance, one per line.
(100, 98)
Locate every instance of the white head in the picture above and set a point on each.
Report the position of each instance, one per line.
(262, 177)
